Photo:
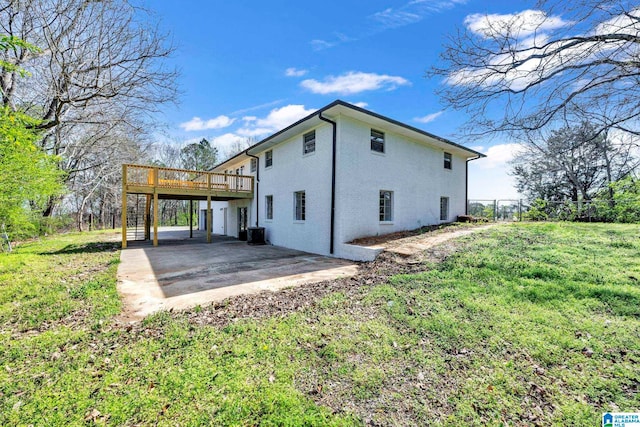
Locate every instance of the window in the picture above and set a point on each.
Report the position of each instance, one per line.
(268, 207)
(299, 203)
(444, 208)
(386, 205)
(377, 141)
(254, 165)
(268, 159)
(447, 160)
(309, 142)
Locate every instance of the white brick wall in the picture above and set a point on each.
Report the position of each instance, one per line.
(413, 170)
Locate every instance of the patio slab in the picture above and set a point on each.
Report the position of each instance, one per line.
(182, 273)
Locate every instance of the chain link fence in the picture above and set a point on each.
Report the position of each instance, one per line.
(547, 210)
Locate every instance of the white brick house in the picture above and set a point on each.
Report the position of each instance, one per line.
(342, 173)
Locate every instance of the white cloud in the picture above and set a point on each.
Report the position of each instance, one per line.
(489, 178)
(499, 155)
(429, 117)
(353, 82)
(277, 119)
(528, 29)
(197, 124)
(392, 18)
(621, 24)
(360, 104)
(409, 13)
(294, 72)
(227, 141)
(257, 107)
(519, 25)
(412, 12)
(318, 44)
(532, 57)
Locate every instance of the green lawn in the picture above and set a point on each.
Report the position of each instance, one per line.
(529, 324)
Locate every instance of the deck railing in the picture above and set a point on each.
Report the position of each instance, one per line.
(170, 178)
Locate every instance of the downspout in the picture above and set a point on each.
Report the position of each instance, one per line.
(333, 180)
(257, 186)
(466, 184)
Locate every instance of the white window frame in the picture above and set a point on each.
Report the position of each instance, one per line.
(254, 165)
(444, 208)
(299, 206)
(309, 146)
(448, 161)
(377, 138)
(268, 207)
(385, 206)
(268, 159)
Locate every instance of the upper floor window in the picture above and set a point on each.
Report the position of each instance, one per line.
(377, 141)
(309, 142)
(386, 205)
(447, 160)
(254, 165)
(268, 159)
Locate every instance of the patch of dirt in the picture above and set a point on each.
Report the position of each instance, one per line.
(430, 230)
(429, 233)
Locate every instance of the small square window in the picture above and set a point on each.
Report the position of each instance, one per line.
(309, 142)
(268, 207)
(377, 141)
(254, 165)
(268, 159)
(444, 208)
(447, 160)
(300, 205)
(386, 205)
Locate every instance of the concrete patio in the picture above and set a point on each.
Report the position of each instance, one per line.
(185, 272)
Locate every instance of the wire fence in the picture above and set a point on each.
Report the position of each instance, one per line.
(549, 210)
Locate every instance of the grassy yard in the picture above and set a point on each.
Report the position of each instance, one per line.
(529, 324)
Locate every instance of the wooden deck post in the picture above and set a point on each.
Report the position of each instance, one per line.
(155, 207)
(209, 219)
(191, 218)
(155, 219)
(147, 217)
(209, 212)
(124, 206)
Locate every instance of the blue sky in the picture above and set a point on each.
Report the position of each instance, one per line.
(251, 68)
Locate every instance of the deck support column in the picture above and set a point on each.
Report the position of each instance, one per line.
(155, 219)
(147, 218)
(209, 219)
(191, 218)
(124, 206)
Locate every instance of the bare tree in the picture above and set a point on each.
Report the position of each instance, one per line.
(98, 75)
(533, 70)
(573, 163)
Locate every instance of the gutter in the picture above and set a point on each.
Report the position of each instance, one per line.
(333, 180)
(466, 183)
(257, 185)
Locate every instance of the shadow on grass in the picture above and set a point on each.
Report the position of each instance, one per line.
(85, 248)
(618, 301)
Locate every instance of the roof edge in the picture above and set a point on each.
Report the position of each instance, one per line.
(339, 102)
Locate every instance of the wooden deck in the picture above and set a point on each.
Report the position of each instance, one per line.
(170, 183)
(182, 184)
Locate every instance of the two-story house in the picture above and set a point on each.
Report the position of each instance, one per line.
(343, 173)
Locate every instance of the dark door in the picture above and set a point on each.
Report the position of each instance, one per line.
(242, 223)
